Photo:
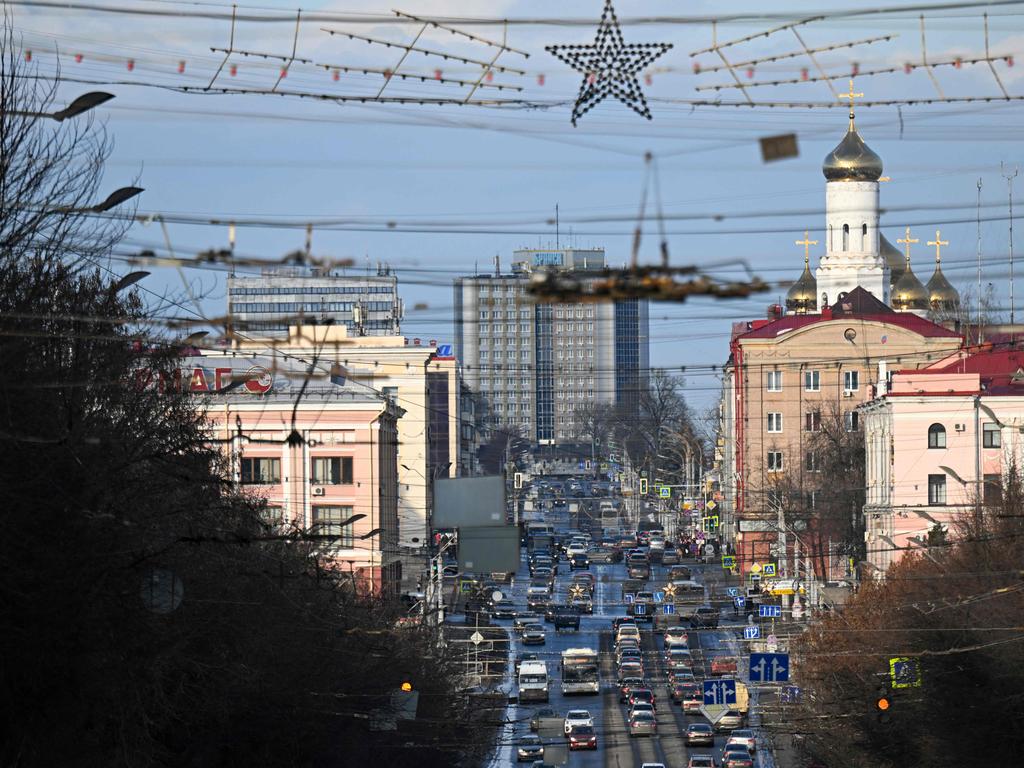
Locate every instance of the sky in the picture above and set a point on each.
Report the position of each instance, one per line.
(437, 191)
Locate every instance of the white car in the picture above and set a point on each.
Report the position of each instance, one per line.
(576, 717)
(676, 637)
(743, 737)
(576, 548)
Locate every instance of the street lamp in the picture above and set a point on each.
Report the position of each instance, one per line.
(126, 281)
(115, 198)
(82, 104)
(371, 534)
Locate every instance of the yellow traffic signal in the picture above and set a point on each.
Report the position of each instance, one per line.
(407, 686)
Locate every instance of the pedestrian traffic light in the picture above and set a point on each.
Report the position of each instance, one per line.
(643, 486)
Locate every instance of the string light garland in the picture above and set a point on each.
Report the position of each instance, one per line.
(609, 66)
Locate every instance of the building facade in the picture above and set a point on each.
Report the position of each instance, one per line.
(535, 363)
(316, 461)
(266, 305)
(938, 443)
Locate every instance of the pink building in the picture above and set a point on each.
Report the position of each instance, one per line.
(938, 441)
(319, 456)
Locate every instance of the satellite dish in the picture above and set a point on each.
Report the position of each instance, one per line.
(161, 591)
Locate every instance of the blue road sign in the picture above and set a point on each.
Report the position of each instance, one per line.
(721, 692)
(728, 561)
(444, 350)
(740, 601)
(664, 492)
(628, 597)
(768, 569)
(669, 608)
(639, 609)
(790, 694)
(769, 667)
(751, 632)
(659, 597)
(733, 591)
(769, 611)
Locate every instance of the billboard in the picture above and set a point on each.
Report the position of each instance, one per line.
(466, 502)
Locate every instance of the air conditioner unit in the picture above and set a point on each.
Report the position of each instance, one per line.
(318, 490)
(848, 393)
(960, 427)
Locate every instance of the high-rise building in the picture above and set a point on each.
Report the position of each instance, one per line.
(366, 304)
(536, 364)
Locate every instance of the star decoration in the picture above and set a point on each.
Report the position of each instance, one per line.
(670, 590)
(609, 66)
(576, 590)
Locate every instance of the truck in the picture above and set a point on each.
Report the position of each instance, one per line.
(533, 681)
(580, 671)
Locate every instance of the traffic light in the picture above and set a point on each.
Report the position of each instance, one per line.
(883, 704)
(407, 686)
(643, 486)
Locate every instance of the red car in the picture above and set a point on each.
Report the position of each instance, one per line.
(583, 737)
(723, 665)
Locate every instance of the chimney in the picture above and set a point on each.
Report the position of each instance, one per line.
(774, 311)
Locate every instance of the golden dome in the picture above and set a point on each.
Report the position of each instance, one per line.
(802, 298)
(852, 160)
(909, 293)
(893, 258)
(941, 293)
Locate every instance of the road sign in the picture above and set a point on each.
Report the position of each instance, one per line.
(755, 568)
(719, 691)
(751, 632)
(713, 713)
(711, 506)
(639, 609)
(733, 591)
(665, 492)
(659, 597)
(739, 601)
(476, 638)
(769, 667)
(790, 694)
(669, 608)
(905, 672)
(629, 597)
(769, 611)
(728, 561)
(768, 569)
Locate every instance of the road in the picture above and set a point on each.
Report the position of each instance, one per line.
(615, 747)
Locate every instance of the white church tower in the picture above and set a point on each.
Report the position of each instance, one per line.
(852, 254)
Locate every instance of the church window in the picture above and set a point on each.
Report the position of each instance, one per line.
(863, 237)
(831, 240)
(846, 237)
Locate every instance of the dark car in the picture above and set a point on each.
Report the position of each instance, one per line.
(645, 695)
(534, 634)
(503, 610)
(529, 747)
(604, 555)
(705, 617)
(627, 684)
(579, 562)
(586, 579)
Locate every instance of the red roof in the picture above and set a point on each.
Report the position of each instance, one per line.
(1000, 369)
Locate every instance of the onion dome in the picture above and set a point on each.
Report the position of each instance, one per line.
(909, 293)
(942, 296)
(802, 298)
(852, 159)
(893, 258)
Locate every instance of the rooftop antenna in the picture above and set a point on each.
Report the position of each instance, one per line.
(497, 265)
(981, 332)
(1009, 185)
(309, 239)
(557, 235)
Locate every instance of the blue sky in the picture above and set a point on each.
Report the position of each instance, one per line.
(282, 158)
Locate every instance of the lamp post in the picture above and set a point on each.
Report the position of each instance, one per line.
(82, 104)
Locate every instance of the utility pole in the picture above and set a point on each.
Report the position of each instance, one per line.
(1009, 184)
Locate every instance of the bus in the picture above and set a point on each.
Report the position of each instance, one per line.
(580, 671)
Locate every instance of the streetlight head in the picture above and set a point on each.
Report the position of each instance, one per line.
(353, 519)
(127, 281)
(83, 103)
(371, 534)
(194, 338)
(406, 467)
(117, 197)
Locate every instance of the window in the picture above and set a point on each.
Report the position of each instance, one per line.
(774, 422)
(272, 516)
(776, 498)
(812, 381)
(810, 500)
(846, 237)
(327, 521)
(851, 381)
(991, 436)
(863, 237)
(261, 471)
(774, 461)
(812, 421)
(993, 493)
(851, 419)
(332, 470)
(936, 489)
(936, 436)
(774, 381)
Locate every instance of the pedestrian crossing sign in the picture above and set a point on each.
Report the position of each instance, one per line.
(768, 569)
(728, 561)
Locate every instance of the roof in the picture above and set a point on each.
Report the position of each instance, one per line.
(1000, 369)
(859, 304)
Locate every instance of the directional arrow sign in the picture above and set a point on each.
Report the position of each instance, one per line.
(769, 667)
(720, 692)
(751, 633)
(733, 591)
(659, 597)
(668, 608)
(639, 609)
(740, 601)
(769, 611)
(628, 597)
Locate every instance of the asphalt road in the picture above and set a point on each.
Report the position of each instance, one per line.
(615, 747)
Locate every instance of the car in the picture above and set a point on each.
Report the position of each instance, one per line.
(618, 621)
(723, 665)
(699, 734)
(639, 694)
(537, 604)
(682, 676)
(579, 561)
(503, 610)
(669, 555)
(583, 737)
(586, 579)
(575, 717)
(627, 630)
(627, 684)
(583, 604)
(704, 617)
(544, 572)
(523, 619)
(678, 659)
(643, 724)
(629, 653)
(744, 738)
(693, 702)
(737, 756)
(676, 637)
(730, 720)
(678, 691)
(534, 634)
(653, 765)
(631, 668)
(529, 747)
(604, 555)
(702, 761)
(641, 706)
(545, 717)
(627, 644)
(682, 572)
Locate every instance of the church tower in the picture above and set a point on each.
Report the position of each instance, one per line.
(852, 249)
